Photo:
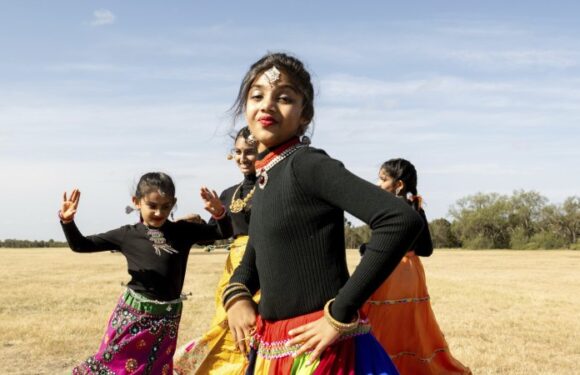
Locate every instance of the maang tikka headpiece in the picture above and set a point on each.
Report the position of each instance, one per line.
(272, 75)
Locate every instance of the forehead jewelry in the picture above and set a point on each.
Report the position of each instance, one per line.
(272, 75)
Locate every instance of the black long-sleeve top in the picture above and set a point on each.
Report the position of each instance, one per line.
(423, 246)
(240, 220)
(159, 277)
(296, 252)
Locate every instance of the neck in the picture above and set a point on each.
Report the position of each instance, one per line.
(265, 150)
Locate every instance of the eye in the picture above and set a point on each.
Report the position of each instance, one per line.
(285, 99)
(256, 95)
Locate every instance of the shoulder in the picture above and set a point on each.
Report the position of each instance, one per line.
(229, 190)
(312, 157)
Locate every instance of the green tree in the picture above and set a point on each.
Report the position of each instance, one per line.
(525, 216)
(442, 235)
(481, 221)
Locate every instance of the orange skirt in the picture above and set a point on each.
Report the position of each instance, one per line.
(402, 320)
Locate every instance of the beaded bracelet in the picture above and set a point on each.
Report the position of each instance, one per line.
(341, 327)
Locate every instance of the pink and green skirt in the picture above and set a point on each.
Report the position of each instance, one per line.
(357, 353)
(140, 338)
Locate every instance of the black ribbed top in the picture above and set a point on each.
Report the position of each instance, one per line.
(156, 276)
(296, 252)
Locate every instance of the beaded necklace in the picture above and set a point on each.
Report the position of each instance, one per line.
(239, 204)
(263, 166)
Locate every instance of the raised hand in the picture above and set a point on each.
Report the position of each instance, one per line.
(211, 202)
(68, 206)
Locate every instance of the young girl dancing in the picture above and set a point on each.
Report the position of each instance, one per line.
(215, 352)
(399, 311)
(142, 331)
(308, 320)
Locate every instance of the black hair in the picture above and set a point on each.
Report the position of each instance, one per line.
(296, 73)
(155, 181)
(243, 133)
(403, 170)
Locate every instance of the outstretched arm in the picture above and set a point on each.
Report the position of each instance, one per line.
(76, 241)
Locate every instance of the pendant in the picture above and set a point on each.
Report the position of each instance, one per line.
(159, 243)
(237, 205)
(262, 179)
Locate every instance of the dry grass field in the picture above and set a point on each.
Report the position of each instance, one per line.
(503, 312)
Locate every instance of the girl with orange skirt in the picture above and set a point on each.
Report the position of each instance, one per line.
(400, 310)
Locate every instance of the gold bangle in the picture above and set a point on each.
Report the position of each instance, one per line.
(340, 326)
(236, 298)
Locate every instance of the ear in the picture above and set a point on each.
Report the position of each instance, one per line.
(399, 186)
(174, 203)
(136, 202)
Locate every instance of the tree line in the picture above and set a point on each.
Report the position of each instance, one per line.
(522, 220)
(12, 243)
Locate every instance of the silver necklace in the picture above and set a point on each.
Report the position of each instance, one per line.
(262, 175)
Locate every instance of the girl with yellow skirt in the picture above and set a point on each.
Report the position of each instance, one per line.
(215, 351)
(399, 311)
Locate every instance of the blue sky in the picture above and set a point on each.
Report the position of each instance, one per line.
(480, 96)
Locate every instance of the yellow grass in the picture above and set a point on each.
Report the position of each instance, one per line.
(503, 312)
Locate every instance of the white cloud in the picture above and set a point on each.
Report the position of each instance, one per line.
(103, 17)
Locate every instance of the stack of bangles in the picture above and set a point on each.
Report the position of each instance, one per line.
(342, 328)
(234, 292)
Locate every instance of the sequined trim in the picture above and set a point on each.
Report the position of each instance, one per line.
(278, 349)
(399, 301)
(413, 354)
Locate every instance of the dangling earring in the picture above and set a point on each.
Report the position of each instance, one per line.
(305, 140)
(129, 209)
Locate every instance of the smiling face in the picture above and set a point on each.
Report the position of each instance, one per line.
(155, 208)
(274, 110)
(245, 156)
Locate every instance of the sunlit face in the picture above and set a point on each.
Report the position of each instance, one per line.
(245, 156)
(386, 182)
(154, 208)
(274, 111)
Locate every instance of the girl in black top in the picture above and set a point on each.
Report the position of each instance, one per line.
(142, 331)
(217, 347)
(400, 310)
(308, 313)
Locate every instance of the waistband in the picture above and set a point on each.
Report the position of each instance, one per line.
(149, 306)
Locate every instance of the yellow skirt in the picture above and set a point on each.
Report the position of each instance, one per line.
(215, 352)
(402, 320)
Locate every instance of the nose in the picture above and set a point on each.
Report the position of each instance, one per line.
(268, 103)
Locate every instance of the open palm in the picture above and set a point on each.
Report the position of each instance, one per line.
(68, 207)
